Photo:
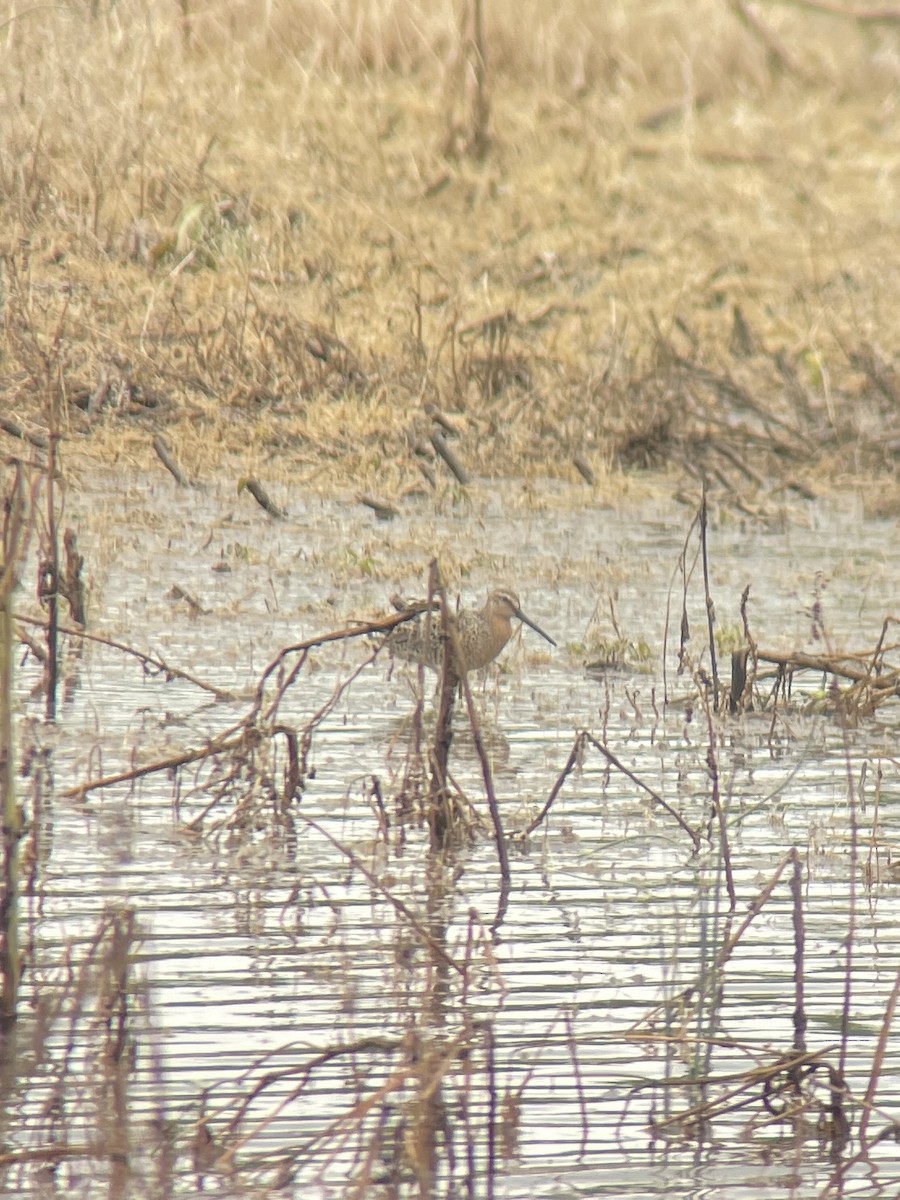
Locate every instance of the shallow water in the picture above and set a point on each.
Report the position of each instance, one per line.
(266, 944)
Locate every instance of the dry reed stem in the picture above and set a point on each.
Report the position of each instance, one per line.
(19, 510)
(153, 664)
(493, 806)
(744, 1094)
(442, 813)
(572, 761)
(654, 795)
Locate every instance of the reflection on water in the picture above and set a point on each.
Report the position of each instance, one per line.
(311, 990)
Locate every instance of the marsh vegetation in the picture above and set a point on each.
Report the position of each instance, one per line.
(308, 305)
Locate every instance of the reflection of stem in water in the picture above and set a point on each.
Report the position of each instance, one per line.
(15, 536)
(427, 1119)
(114, 1004)
(9, 933)
(49, 584)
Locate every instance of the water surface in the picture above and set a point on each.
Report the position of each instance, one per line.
(276, 939)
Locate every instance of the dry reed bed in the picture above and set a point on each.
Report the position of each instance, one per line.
(262, 237)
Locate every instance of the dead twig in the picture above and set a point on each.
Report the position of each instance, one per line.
(830, 664)
(654, 796)
(442, 448)
(382, 510)
(261, 496)
(571, 761)
(582, 466)
(499, 836)
(779, 54)
(878, 1057)
(151, 662)
(405, 911)
(164, 454)
(16, 431)
(710, 607)
(225, 742)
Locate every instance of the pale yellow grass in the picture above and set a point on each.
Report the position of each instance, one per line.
(203, 205)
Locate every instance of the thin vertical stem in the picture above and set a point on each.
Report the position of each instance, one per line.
(49, 583)
(490, 1065)
(849, 944)
(499, 837)
(481, 114)
(710, 607)
(50, 580)
(800, 1021)
(14, 532)
(9, 928)
(878, 1058)
(441, 809)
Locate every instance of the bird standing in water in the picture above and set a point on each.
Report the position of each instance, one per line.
(478, 634)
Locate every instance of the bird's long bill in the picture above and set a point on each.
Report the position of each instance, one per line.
(531, 625)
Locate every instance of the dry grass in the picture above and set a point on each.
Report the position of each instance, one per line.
(252, 225)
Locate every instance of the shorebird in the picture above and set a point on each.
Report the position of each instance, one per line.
(478, 634)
